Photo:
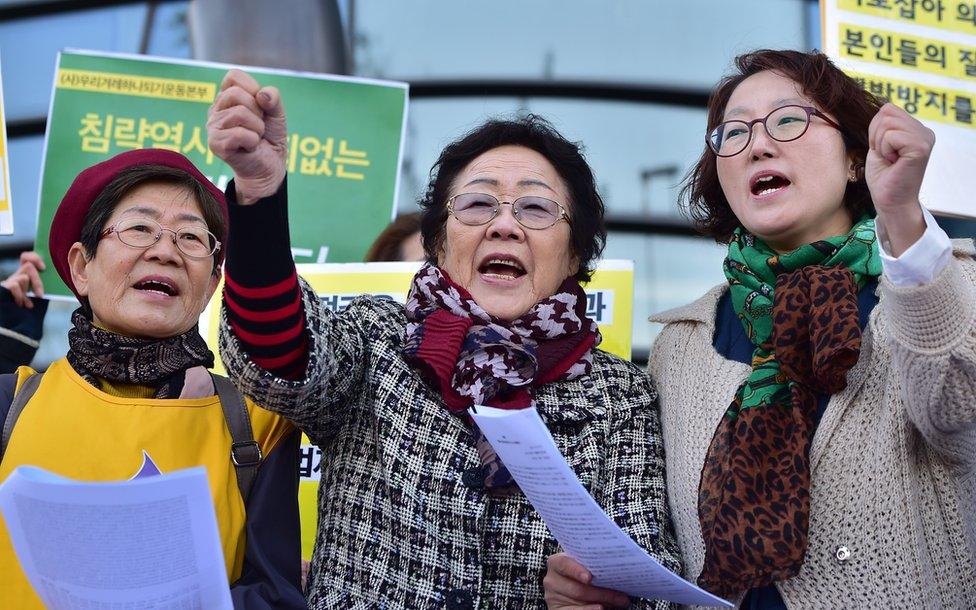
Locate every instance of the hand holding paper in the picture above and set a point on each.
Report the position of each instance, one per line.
(586, 533)
(567, 585)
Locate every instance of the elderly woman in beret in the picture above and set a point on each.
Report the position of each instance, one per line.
(138, 239)
(415, 509)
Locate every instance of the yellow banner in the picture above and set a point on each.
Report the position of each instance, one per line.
(609, 302)
(927, 103)
(6, 212)
(6, 207)
(901, 50)
(951, 15)
(139, 86)
(609, 296)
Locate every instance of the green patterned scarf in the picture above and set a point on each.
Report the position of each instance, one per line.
(751, 268)
(800, 311)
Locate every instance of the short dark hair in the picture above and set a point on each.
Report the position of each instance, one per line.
(389, 245)
(588, 234)
(102, 207)
(833, 91)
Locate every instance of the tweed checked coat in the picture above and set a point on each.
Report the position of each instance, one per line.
(403, 521)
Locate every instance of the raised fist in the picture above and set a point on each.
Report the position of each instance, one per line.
(246, 127)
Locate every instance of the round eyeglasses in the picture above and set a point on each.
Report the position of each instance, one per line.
(530, 212)
(193, 241)
(783, 124)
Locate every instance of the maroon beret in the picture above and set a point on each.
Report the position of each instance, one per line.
(70, 215)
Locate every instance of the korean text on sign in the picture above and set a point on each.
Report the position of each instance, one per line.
(99, 134)
(139, 86)
(952, 15)
(907, 51)
(599, 306)
(310, 155)
(942, 105)
(309, 463)
(339, 302)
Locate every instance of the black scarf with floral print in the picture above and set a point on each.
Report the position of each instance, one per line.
(96, 353)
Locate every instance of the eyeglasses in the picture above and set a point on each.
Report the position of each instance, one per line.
(784, 124)
(530, 212)
(193, 241)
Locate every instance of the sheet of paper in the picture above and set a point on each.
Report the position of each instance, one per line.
(583, 530)
(148, 542)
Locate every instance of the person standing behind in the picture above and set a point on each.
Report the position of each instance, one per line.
(399, 241)
(21, 316)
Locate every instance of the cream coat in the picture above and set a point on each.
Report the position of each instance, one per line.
(893, 499)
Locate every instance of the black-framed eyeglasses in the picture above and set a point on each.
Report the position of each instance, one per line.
(193, 241)
(530, 212)
(783, 124)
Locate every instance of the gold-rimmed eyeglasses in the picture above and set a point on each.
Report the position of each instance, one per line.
(193, 241)
(530, 212)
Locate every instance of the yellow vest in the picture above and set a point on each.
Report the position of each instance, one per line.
(76, 430)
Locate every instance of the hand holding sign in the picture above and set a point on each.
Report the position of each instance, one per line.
(246, 127)
(900, 147)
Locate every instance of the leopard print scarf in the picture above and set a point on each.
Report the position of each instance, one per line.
(800, 311)
(162, 364)
(472, 357)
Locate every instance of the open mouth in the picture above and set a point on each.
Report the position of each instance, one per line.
(505, 268)
(767, 184)
(157, 285)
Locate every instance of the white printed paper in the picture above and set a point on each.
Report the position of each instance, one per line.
(149, 542)
(584, 531)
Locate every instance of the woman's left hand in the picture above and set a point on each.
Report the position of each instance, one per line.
(899, 150)
(567, 587)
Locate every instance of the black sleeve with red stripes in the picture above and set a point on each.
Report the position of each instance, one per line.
(261, 291)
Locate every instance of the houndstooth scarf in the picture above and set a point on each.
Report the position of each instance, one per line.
(472, 357)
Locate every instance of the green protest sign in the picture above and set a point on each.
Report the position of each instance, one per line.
(345, 141)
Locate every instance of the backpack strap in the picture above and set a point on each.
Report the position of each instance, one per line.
(17, 405)
(245, 453)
